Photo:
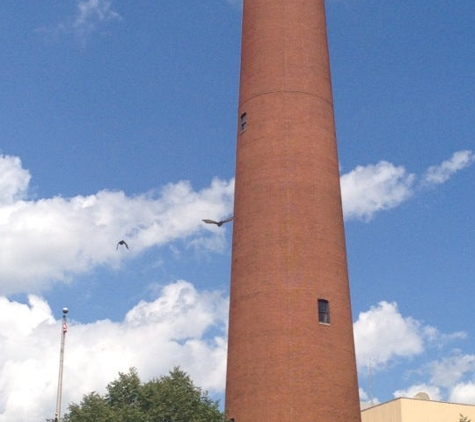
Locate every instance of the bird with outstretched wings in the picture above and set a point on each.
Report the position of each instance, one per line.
(218, 223)
(122, 243)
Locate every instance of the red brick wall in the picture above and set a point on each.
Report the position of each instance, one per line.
(288, 240)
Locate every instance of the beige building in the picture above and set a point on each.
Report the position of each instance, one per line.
(417, 409)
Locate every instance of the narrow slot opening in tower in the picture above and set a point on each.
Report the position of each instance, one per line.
(323, 311)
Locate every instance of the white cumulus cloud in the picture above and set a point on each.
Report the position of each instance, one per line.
(433, 391)
(451, 370)
(463, 393)
(383, 334)
(52, 239)
(14, 179)
(369, 189)
(441, 173)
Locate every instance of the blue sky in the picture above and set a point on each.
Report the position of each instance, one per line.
(118, 121)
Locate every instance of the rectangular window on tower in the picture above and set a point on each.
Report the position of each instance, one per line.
(323, 311)
(243, 122)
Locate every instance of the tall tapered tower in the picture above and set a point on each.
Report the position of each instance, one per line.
(291, 351)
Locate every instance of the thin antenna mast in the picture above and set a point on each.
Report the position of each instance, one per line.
(370, 365)
(64, 330)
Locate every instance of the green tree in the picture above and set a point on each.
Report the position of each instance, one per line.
(123, 397)
(180, 400)
(464, 418)
(92, 408)
(171, 398)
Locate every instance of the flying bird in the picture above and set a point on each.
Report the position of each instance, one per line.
(219, 223)
(122, 242)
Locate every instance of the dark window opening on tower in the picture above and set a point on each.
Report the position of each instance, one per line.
(243, 121)
(323, 311)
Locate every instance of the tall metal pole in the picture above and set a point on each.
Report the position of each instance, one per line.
(64, 330)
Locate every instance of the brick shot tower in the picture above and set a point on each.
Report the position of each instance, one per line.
(291, 351)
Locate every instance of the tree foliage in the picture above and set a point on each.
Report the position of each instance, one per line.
(171, 398)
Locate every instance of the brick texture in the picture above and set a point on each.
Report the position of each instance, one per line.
(288, 239)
